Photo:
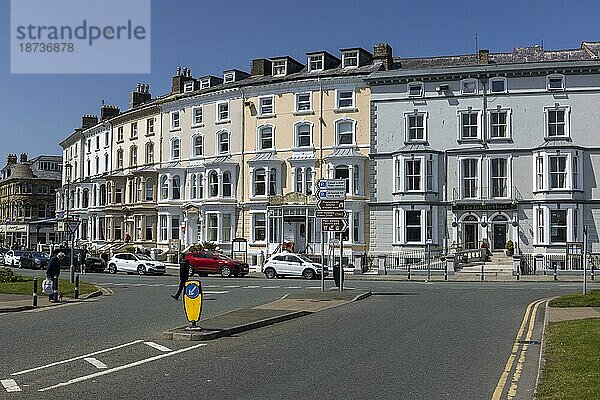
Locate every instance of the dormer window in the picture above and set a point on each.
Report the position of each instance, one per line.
(415, 89)
(468, 86)
(188, 87)
(228, 77)
(350, 59)
(279, 67)
(555, 82)
(205, 83)
(315, 63)
(498, 85)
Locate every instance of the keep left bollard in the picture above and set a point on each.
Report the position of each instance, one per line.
(76, 291)
(35, 291)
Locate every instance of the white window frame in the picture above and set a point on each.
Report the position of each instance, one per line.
(545, 174)
(263, 108)
(279, 67)
(416, 84)
(564, 173)
(350, 55)
(477, 178)
(218, 150)
(543, 233)
(194, 147)
(207, 217)
(508, 112)
(197, 112)
(414, 176)
(205, 83)
(508, 180)
(228, 77)
(316, 58)
(175, 120)
(499, 79)
(188, 87)
(253, 226)
(407, 127)
(297, 102)
(150, 126)
(337, 132)
(134, 133)
(297, 125)
(400, 219)
(119, 134)
(428, 182)
(218, 109)
(337, 99)
(552, 77)
(172, 148)
(460, 114)
(465, 82)
(259, 138)
(567, 116)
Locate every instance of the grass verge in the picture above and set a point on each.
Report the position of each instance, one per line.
(591, 299)
(26, 287)
(572, 353)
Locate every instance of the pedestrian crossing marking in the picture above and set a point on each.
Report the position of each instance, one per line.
(158, 346)
(95, 362)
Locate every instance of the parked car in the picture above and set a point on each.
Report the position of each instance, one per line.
(34, 260)
(12, 258)
(2, 253)
(290, 264)
(135, 263)
(94, 264)
(209, 262)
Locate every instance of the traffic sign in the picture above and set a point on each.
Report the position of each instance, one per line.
(72, 225)
(330, 205)
(334, 225)
(332, 194)
(331, 214)
(331, 184)
(192, 301)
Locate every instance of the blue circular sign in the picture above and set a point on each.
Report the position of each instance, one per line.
(192, 291)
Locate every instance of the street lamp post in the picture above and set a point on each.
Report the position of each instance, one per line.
(69, 168)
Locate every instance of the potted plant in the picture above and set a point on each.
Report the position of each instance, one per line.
(509, 248)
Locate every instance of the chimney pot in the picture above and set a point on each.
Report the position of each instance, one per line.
(383, 52)
(23, 158)
(484, 56)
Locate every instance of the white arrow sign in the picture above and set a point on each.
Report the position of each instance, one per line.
(331, 184)
(332, 194)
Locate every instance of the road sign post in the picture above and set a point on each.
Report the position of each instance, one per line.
(192, 302)
(72, 224)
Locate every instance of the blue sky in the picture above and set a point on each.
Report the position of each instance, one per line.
(38, 111)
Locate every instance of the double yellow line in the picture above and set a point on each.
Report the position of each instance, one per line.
(528, 318)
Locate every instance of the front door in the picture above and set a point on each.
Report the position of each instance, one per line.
(499, 236)
(300, 245)
(470, 236)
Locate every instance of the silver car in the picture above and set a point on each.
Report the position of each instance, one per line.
(291, 264)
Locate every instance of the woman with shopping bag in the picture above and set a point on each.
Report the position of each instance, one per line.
(53, 270)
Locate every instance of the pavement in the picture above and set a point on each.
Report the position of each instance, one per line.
(18, 302)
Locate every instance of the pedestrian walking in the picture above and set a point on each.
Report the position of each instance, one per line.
(184, 274)
(53, 270)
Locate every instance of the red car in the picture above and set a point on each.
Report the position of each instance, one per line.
(207, 262)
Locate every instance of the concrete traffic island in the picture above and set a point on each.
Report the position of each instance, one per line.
(289, 307)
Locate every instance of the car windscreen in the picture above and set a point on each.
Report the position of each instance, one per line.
(143, 257)
(19, 253)
(224, 257)
(303, 258)
(39, 254)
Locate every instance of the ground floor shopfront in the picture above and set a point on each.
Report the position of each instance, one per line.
(28, 235)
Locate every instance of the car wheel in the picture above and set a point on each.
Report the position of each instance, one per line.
(225, 271)
(270, 273)
(141, 270)
(112, 269)
(192, 271)
(308, 274)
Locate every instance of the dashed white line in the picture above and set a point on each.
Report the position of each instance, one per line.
(271, 287)
(251, 287)
(293, 287)
(122, 367)
(231, 286)
(10, 385)
(158, 346)
(215, 291)
(76, 358)
(95, 362)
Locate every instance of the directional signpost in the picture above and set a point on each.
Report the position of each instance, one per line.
(334, 218)
(72, 224)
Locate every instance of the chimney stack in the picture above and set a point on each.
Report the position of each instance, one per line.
(140, 95)
(23, 158)
(11, 159)
(260, 67)
(484, 56)
(87, 121)
(107, 112)
(183, 75)
(383, 52)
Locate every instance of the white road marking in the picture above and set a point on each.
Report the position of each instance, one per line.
(251, 287)
(271, 287)
(211, 285)
(76, 358)
(215, 291)
(158, 346)
(293, 287)
(122, 367)
(10, 385)
(231, 286)
(95, 362)
(313, 287)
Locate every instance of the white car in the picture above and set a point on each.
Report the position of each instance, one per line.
(135, 263)
(12, 258)
(291, 264)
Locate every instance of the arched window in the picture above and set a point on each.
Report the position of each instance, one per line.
(223, 142)
(120, 159)
(344, 131)
(97, 165)
(265, 137)
(175, 148)
(213, 184)
(86, 198)
(227, 184)
(260, 182)
(27, 211)
(133, 156)
(356, 178)
(193, 186)
(102, 194)
(109, 187)
(164, 187)
(299, 180)
(176, 187)
(273, 182)
(198, 145)
(19, 209)
(201, 186)
(149, 153)
(303, 135)
(149, 189)
(89, 167)
(118, 193)
(309, 181)
(139, 188)
(42, 210)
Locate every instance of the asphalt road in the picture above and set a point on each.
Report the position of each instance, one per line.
(410, 340)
